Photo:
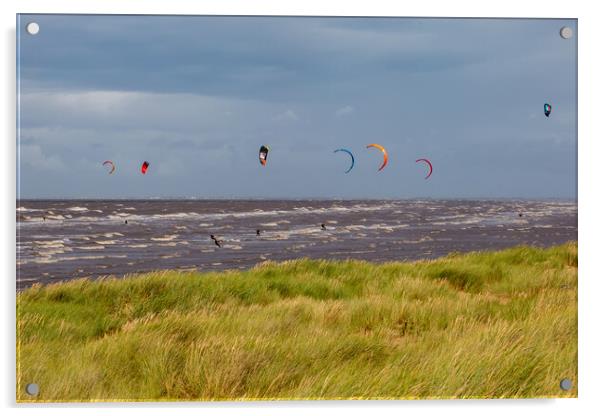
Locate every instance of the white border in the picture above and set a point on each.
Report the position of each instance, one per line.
(590, 209)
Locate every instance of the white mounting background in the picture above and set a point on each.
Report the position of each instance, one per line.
(590, 179)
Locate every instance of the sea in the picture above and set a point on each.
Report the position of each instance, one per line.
(59, 240)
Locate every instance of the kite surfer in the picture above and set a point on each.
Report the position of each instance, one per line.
(216, 241)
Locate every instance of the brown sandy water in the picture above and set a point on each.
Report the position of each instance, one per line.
(65, 239)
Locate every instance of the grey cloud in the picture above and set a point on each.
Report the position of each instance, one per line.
(196, 96)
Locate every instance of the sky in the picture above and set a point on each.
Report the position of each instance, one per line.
(196, 96)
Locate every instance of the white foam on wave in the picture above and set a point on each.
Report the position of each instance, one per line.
(260, 213)
(207, 218)
(25, 209)
(380, 227)
(465, 222)
(72, 258)
(55, 217)
(27, 218)
(105, 242)
(49, 243)
(44, 260)
(53, 251)
(176, 215)
(168, 237)
(119, 216)
(78, 209)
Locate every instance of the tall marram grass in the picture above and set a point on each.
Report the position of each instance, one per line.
(489, 324)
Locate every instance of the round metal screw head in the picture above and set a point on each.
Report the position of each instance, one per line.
(32, 389)
(32, 28)
(566, 384)
(566, 32)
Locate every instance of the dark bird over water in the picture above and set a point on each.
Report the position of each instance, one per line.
(323, 226)
(258, 232)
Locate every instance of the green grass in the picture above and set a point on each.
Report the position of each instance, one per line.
(489, 324)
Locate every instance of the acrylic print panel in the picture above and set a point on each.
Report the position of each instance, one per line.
(241, 208)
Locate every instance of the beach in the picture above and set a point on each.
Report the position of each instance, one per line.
(59, 240)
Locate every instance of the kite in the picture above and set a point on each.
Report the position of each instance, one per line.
(547, 109)
(352, 158)
(385, 156)
(263, 155)
(109, 163)
(144, 167)
(428, 162)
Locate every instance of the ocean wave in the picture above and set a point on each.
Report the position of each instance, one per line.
(381, 226)
(116, 216)
(78, 209)
(55, 217)
(49, 243)
(25, 209)
(168, 237)
(208, 218)
(44, 260)
(466, 222)
(97, 247)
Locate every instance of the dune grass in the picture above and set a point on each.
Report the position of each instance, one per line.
(477, 325)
